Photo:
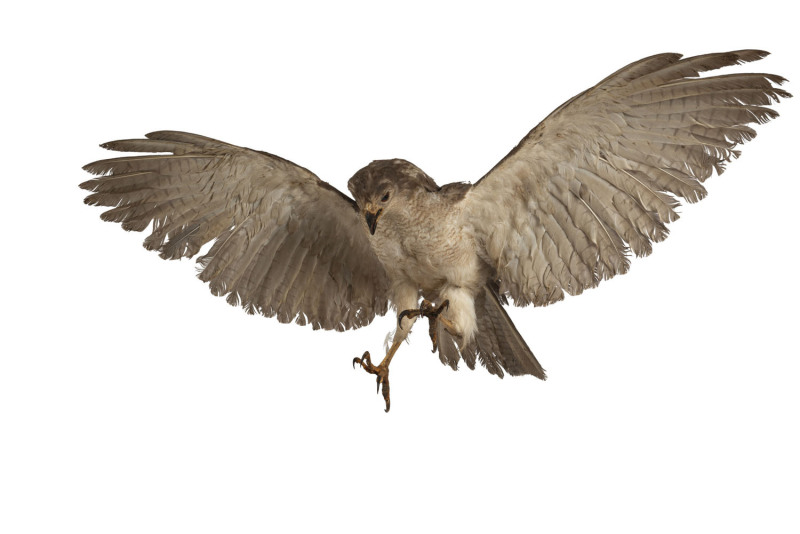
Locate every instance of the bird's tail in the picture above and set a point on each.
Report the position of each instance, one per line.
(496, 344)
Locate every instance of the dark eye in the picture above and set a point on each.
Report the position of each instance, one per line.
(385, 197)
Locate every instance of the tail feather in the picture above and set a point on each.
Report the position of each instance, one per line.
(497, 344)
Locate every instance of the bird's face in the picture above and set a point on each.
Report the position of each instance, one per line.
(377, 203)
(380, 187)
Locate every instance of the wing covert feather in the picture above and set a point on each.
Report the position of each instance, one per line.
(601, 175)
(286, 243)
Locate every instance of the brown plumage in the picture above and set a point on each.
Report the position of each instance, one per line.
(599, 178)
(286, 243)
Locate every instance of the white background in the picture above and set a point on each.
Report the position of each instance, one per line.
(131, 400)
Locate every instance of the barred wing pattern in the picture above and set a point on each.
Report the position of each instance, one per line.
(287, 244)
(599, 177)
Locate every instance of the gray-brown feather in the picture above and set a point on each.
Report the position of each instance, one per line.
(601, 176)
(286, 243)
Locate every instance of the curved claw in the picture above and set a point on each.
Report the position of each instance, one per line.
(381, 371)
(404, 313)
(383, 384)
(425, 309)
(363, 361)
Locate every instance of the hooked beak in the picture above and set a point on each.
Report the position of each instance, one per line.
(372, 220)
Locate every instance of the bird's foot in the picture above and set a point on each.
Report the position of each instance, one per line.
(381, 371)
(433, 313)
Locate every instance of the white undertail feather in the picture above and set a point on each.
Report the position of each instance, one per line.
(461, 312)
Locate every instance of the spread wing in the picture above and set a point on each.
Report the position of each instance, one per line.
(287, 244)
(600, 176)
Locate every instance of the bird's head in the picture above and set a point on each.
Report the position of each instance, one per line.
(385, 185)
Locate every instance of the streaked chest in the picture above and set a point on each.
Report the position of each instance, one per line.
(426, 244)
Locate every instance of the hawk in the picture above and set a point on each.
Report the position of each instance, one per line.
(597, 180)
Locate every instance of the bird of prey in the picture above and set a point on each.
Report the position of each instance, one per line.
(597, 180)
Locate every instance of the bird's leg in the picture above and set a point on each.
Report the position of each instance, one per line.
(381, 370)
(434, 315)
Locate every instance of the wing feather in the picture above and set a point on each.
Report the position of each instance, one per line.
(601, 176)
(285, 243)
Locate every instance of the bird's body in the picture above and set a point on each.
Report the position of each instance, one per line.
(431, 219)
(599, 178)
(430, 222)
